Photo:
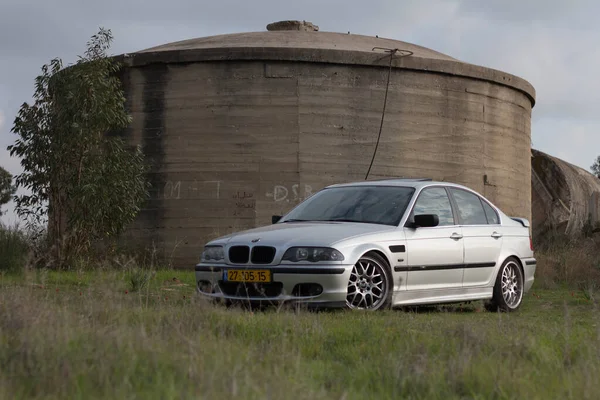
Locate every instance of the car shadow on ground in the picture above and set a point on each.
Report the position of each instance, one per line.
(457, 308)
(454, 309)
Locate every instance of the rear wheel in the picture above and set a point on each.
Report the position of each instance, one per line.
(508, 289)
(370, 284)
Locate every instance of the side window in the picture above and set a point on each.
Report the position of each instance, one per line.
(435, 201)
(470, 209)
(491, 214)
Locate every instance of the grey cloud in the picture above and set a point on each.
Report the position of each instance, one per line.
(559, 62)
(574, 140)
(549, 43)
(558, 12)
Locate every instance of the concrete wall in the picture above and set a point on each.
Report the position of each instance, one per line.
(564, 197)
(235, 142)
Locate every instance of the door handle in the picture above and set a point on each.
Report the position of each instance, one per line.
(496, 235)
(456, 236)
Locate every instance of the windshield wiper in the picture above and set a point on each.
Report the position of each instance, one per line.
(350, 220)
(330, 220)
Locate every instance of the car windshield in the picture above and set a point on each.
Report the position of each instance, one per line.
(366, 204)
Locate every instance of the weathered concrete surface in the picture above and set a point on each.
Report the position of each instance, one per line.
(296, 40)
(564, 196)
(236, 141)
(319, 47)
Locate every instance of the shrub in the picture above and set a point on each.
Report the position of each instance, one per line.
(139, 278)
(571, 261)
(14, 249)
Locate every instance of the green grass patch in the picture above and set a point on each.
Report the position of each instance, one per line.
(82, 335)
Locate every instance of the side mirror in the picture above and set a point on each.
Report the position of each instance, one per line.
(275, 218)
(426, 220)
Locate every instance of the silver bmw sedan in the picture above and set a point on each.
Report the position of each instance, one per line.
(374, 245)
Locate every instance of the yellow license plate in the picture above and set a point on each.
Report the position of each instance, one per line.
(247, 275)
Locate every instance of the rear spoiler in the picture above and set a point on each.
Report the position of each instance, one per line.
(522, 221)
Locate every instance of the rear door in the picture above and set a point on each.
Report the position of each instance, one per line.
(482, 236)
(434, 255)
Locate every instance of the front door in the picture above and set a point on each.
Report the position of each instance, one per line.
(434, 255)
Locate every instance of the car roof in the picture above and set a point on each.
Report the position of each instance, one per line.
(416, 183)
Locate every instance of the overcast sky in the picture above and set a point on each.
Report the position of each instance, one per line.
(551, 43)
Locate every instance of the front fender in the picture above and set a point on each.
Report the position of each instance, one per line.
(356, 252)
(395, 260)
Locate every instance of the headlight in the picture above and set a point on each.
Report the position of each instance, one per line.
(212, 253)
(312, 254)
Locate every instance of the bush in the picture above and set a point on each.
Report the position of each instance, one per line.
(570, 261)
(139, 278)
(14, 249)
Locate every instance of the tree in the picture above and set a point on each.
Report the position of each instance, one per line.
(80, 173)
(7, 189)
(596, 167)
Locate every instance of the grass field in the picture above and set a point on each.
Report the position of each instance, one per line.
(87, 335)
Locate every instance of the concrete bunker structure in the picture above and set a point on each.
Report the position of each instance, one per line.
(564, 197)
(243, 126)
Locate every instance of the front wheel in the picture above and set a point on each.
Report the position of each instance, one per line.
(508, 289)
(370, 284)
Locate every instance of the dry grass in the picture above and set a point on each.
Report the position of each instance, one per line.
(85, 335)
(569, 262)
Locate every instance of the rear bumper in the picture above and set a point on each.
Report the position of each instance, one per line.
(324, 285)
(529, 267)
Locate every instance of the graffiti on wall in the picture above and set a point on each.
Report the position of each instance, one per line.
(177, 190)
(244, 202)
(290, 193)
(172, 190)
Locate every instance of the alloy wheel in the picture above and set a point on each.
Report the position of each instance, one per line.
(512, 287)
(368, 285)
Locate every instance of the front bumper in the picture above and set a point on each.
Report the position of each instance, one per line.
(324, 285)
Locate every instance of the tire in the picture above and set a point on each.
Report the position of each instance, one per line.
(508, 289)
(370, 286)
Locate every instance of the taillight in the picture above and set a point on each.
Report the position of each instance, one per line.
(530, 243)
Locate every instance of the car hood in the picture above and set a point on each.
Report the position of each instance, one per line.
(303, 233)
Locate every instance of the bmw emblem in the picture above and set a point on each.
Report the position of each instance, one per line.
(255, 240)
